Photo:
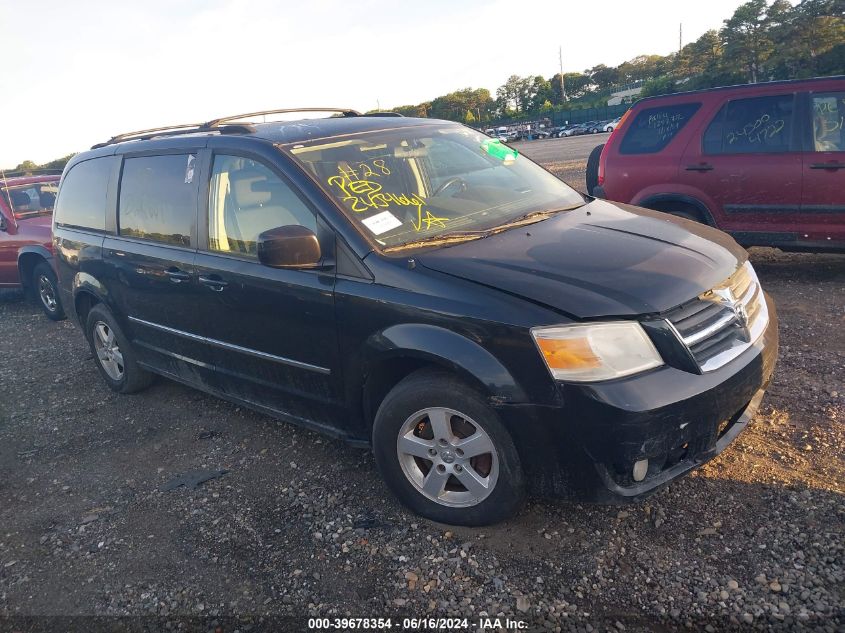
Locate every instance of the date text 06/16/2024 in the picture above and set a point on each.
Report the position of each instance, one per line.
(417, 624)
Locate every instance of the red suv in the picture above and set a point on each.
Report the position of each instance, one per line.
(764, 162)
(26, 245)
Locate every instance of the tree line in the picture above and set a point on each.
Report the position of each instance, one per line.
(759, 42)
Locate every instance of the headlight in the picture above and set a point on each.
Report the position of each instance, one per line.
(598, 351)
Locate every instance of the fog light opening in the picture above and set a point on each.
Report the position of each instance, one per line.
(640, 470)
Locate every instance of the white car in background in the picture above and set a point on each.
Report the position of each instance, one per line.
(611, 125)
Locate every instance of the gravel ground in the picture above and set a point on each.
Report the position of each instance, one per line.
(301, 525)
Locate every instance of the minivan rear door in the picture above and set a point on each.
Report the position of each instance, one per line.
(748, 166)
(272, 330)
(151, 262)
(823, 201)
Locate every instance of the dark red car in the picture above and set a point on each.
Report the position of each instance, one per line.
(764, 162)
(26, 244)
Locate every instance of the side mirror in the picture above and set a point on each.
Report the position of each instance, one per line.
(291, 246)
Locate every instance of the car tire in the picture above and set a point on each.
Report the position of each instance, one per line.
(115, 357)
(592, 177)
(418, 434)
(46, 290)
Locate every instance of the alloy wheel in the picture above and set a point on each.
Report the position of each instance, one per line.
(448, 457)
(47, 293)
(108, 352)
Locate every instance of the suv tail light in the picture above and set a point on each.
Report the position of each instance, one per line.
(603, 156)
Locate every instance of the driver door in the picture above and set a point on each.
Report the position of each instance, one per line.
(272, 330)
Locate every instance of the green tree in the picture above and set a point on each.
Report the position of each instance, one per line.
(26, 165)
(745, 38)
(603, 76)
(469, 119)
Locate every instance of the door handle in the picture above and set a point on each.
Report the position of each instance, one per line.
(214, 282)
(827, 166)
(177, 276)
(701, 167)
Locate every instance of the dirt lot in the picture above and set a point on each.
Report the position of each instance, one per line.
(301, 525)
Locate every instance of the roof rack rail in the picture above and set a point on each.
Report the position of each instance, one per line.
(385, 113)
(214, 125)
(216, 122)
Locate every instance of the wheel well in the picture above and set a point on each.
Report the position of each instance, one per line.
(26, 264)
(83, 303)
(671, 205)
(389, 373)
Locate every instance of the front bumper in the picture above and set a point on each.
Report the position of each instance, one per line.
(586, 449)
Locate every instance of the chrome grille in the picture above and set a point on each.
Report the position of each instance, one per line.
(723, 322)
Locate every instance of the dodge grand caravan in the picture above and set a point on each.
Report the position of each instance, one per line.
(418, 287)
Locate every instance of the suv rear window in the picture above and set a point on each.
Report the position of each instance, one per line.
(653, 128)
(31, 199)
(82, 196)
(158, 199)
(751, 126)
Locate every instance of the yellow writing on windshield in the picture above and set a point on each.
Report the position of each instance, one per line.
(362, 193)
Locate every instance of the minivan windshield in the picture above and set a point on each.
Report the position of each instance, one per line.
(432, 183)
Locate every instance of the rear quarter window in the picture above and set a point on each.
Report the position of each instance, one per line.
(82, 196)
(653, 128)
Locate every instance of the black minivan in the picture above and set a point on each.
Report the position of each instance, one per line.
(418, 287)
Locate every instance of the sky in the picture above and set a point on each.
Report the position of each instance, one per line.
(78, 72)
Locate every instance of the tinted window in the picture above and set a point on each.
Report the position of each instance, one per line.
(32, 199)
(829, 122)
(158, 198)
(759, 125)
(245, 199)
(82, 197)
(653, 128)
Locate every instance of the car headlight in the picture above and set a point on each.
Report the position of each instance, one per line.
(597, 351)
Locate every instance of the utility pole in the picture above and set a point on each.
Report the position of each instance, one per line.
(562, 87)
(680, 38)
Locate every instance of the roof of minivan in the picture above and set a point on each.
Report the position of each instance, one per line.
(281, 132)
(758, 86)
(304, 130)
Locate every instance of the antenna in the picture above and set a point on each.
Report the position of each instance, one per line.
(8, 196)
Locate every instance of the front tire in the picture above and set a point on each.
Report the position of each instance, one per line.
(444, 453)
(114, 354)
(47, 291)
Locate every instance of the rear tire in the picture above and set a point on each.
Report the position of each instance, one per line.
(593, 168)
(46, 291)
(444, 453)
(115, 357)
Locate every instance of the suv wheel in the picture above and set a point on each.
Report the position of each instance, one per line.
(115, 356)
(47, 291)
(592, 177)
(444, 453)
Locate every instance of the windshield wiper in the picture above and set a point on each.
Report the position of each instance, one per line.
(454, 237)
(530, 218)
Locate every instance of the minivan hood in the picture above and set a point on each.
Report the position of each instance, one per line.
(602, 259)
